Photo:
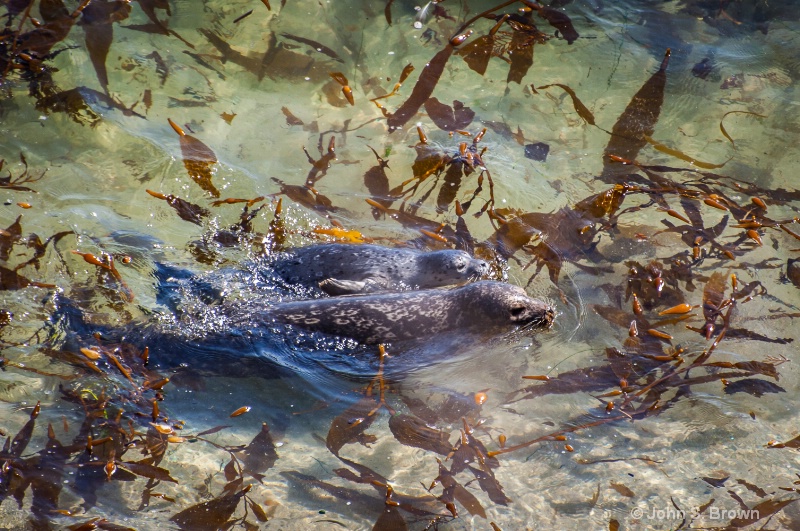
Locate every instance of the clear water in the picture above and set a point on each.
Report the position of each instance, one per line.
(636, 471)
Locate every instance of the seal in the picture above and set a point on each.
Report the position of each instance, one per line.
(344, 269)
(484, 308)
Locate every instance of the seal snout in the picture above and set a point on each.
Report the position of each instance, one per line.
(478, 269)
(526, 311)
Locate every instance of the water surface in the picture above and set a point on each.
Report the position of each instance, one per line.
(634, 436)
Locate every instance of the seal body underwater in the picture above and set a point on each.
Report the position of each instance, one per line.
(340, 269)
(485, 307)
(276, 339)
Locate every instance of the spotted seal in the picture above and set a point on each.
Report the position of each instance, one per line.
(342, 269)
(484, 307)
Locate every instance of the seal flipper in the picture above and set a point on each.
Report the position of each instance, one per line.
(334, 287)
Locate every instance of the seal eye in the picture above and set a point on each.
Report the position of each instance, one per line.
(461, 265)
(517, 311)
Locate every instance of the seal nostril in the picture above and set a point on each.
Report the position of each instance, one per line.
(517, 311)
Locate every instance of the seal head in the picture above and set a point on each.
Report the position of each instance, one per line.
(344, 269)
(484, 308)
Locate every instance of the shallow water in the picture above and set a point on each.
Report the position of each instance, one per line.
(635, 465)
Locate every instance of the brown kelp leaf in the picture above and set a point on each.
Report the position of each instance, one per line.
(198, 159)
(580, 108)
(658, 146)
(557, 19)
(306, 196)
(147, 470)
(453, 490)
(162, 69)
(98, 38)
(291, 119)
(9, 182)
(545, 256)
(15, 7)
(469, 450)
(96, 20)
(58, 23)
(70, 102)
(716, 482)
(156, 444)
(78, 103)
(258, 511)
(520, 53)
(755, 489)
(449, 118)
(377, 183)
(251, 64)
(422, 90)
(469, 501)
(9, 237)
(319, 167)
(449, 188)
(230, 470)
(260, 454)
(186, 211)
(429, 161)
(149, 8)
(106, 262)
(753, 386)
(350, 424)
(46, 481)
(478, 52)
(346, 90)
(412, 431)
(490, 486)
(11, 280)
(321, 48)
(352, 496)
(756, 367)
(387, 12)
(622, 489)
(23, 436)
(211, 515)
(793, 443)
(637, 121)
(390, 520)
(463, 238)
(763, 510)
(713, 296)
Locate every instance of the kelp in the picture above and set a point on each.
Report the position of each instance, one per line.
(186, 211)
(97, 19)
(10, 182)
(321, 48)
(422, 91)
(654, 304)
(637, 121)
(449, 118)
(198, 159)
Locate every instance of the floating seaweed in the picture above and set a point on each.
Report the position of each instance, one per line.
(662, 313)
(198, 159)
